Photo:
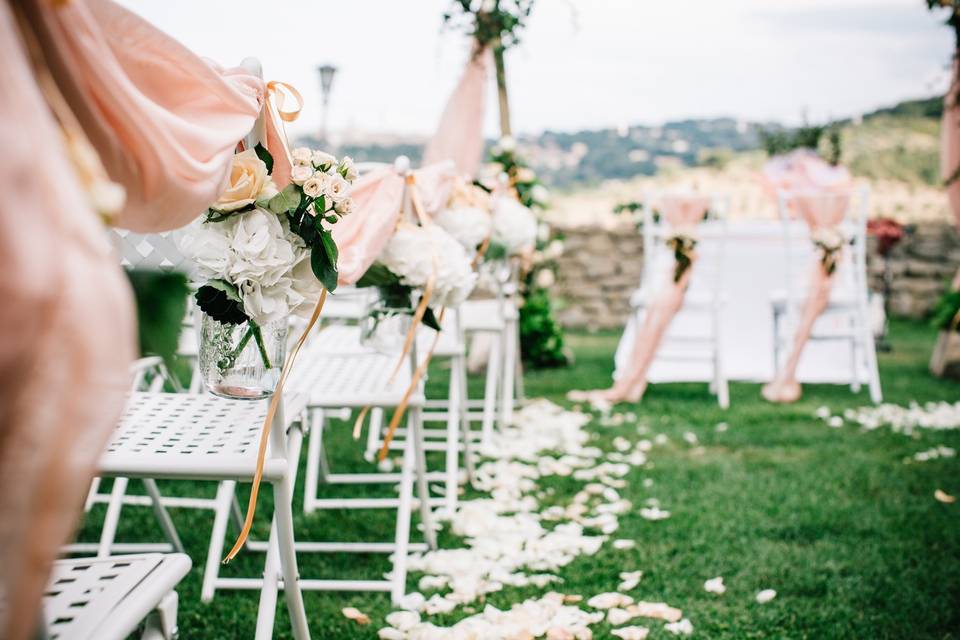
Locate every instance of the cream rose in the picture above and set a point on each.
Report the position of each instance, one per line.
(301, 173)
(337, 188)
(345, 206)
(314, 186)
(301, 155)
(322, 158)
(249, 179)
(348, 169)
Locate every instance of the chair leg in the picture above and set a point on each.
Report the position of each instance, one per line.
(873, 370)
(314, 451)
(163, 516)
(211, 571)
(509, 369)
(415, 432)
(112, 519)
(854, 373)
(267, 607)
(452, 469)
(91, 494)
(402, 533)
(373, 432)
(491, 388)
(286, 545)
(465, 420)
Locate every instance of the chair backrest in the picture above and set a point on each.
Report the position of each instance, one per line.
(711, 237)
(800, 253)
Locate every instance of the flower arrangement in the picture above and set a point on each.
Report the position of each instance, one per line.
(682, 244)
(888, 233)
(418, 259)
(265, 253)
(490, 22)
(514, 227)
(829, 241)
(467, 216)
(505, 160)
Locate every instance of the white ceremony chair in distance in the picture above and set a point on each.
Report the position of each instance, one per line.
(109, 598)
(846, 320)
(692, 347)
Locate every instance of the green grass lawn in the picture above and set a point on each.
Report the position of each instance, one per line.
(848, 534)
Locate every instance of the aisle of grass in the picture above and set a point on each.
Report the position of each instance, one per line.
(849, 536)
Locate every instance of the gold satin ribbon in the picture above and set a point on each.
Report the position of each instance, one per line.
(279, 97)
(265, 431)
(405, 400)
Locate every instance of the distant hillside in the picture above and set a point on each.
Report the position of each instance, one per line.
(898, 142)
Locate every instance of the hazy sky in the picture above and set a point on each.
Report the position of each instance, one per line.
(583, 64)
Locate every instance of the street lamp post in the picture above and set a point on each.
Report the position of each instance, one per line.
(327, 71)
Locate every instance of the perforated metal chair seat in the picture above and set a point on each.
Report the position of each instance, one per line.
(107, 598)
(336, 380)
(193, 436)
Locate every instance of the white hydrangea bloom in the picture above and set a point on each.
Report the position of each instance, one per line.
(514, 225)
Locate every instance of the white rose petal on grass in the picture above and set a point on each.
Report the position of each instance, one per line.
(834, 422)
(680, 628)
(618, 616)
(654, 513)
(766, 596)
(631, 633)
(691, 438)
(629, 580)
(389, 633)
(414, 601)
(609, 600)
(715, 585)
(657, 610)
(622, 544)
(944, 497)
(403, 620)
(721, 427)
(352, 613)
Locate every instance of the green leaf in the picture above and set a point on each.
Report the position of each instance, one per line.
(378, 275)
(286, 200)
(323, 260)
(320, 204)
(221, 301)
(264, 155)
(430, 319)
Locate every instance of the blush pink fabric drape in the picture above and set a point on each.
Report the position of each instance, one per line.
(820, 210)
(164, 121)
(378, 197)
(68, 338)
(950, 148)
(802, 170)
(459, 135)
(682, 214)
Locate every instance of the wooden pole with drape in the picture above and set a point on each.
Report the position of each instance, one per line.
(503, 98)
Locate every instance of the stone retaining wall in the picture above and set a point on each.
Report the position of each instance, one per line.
(601, 267)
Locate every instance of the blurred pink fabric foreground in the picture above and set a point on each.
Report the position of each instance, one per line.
(164, 121)
(378, 201)
(950, 148)
(67, 322)
(459, 136)
(820, 210)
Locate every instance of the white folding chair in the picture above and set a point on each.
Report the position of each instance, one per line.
(338, 373)
(109, 598)
(204, 437)
(692, 347)
(496, 321)
(847, 317)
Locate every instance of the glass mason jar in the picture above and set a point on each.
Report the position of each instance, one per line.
(386, 320)
(241, 361)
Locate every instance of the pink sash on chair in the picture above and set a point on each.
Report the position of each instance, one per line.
(820, 210)
(683, 214)
(68, 338)
(164, 122)
(378, 196)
